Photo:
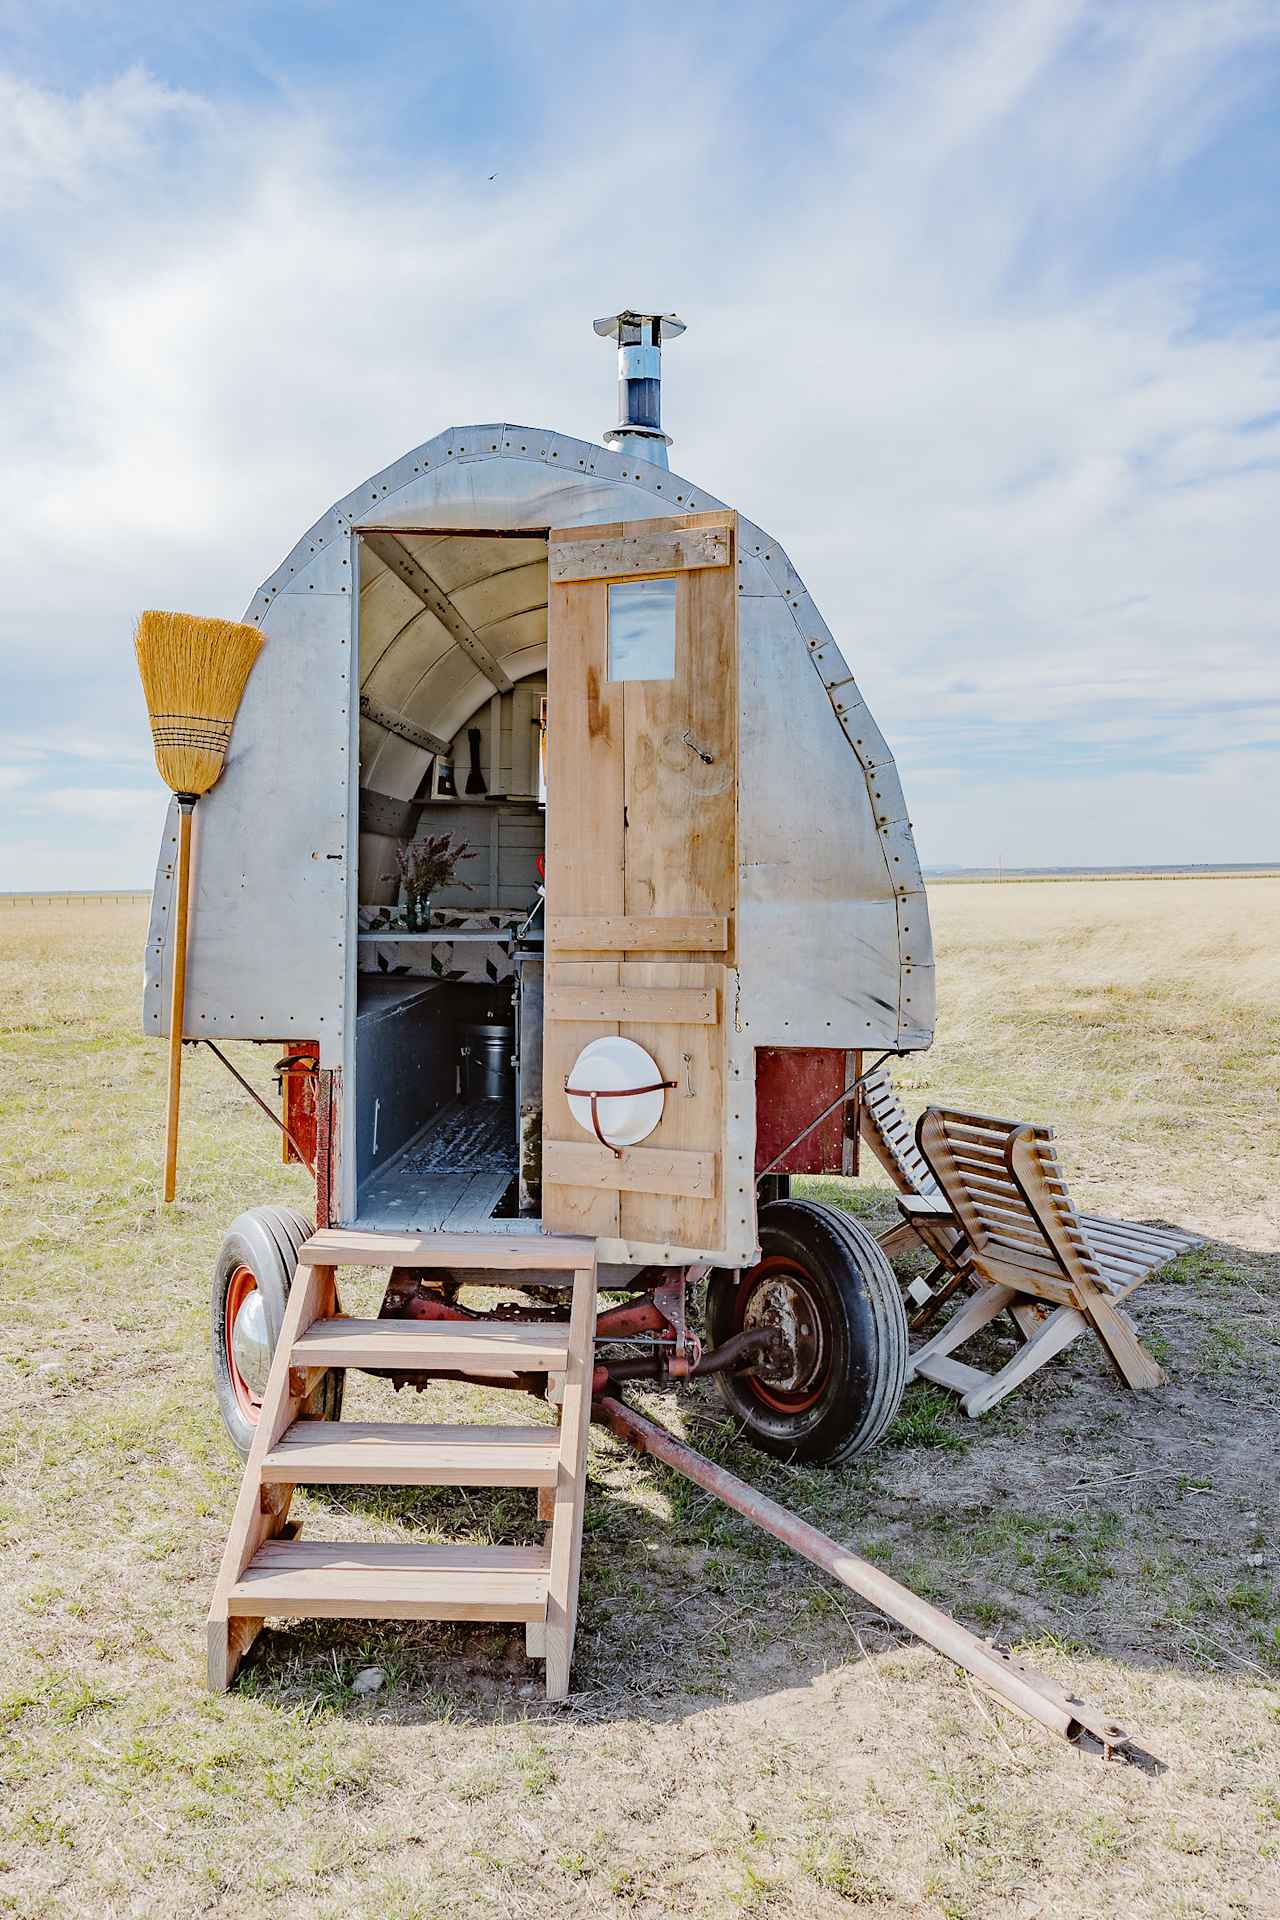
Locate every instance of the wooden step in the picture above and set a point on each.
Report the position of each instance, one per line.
(385, 1453)
(464, 1346)
(333, 1579)
(356, 1247)
(266, 1573)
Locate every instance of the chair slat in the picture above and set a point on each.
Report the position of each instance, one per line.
(883, 1122)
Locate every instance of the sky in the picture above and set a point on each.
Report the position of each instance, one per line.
(984, 326)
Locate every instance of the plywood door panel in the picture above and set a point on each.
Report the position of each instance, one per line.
(693, 1111)
(584, 859)
(571, 1208)
(642, 844)
(640, 554)
(586, 724)
(638, 933)
(680, 855)
(634, 1170)
(682, 1006)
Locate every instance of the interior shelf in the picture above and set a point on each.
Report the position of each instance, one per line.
(493, 937)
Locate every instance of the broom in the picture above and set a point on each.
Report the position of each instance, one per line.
(193, 674)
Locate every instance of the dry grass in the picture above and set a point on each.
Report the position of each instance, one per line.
(1140, 1018)
(743, 1738)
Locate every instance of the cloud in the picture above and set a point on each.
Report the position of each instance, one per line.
(975, 330)
(78, 147)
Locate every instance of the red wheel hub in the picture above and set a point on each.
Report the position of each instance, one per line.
(779, 1293)
(242, 1297)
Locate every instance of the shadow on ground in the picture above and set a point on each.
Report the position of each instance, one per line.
(1076, 1516)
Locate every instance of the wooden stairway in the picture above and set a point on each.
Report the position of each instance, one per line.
(267, 1570)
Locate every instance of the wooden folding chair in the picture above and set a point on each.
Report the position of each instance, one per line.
(927, 1220)
(1028, 1250)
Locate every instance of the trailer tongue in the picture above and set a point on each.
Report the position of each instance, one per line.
(1010, 1680)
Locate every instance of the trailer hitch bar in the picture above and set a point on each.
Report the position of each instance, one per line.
(1009, 1679)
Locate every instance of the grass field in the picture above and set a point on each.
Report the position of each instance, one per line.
(743, 1737)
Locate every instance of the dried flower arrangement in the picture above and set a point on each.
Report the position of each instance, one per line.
(423, 867)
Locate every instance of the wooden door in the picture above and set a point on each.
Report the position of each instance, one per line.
(641, 863)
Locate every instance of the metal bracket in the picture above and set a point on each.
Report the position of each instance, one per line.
(670, 1300)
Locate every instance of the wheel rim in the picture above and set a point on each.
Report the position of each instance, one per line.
(248, 1348)
(779, 1293)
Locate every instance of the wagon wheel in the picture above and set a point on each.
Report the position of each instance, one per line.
(251, 1282)
(824, 1282)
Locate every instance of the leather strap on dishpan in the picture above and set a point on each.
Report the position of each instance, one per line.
(595, 1094)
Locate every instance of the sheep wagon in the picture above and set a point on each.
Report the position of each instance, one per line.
(690, 909)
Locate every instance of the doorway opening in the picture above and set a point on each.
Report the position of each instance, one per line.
(442, 1113)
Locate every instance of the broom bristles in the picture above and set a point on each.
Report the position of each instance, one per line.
(193, 674)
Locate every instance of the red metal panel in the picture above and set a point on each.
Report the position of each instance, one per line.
(299, 1076)
(793, 1084)
(328, 1136)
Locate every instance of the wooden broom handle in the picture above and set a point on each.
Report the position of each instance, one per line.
(178, 998)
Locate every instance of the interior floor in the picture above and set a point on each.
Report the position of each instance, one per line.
(454, 1173)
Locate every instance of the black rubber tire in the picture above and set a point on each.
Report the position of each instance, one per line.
(861, 1387)
(266, 1240)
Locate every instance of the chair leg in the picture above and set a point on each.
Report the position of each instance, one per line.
(1027, 1318)
(1055, 1333)
(1136, 1367)
(966, 1320)
(929, 1309)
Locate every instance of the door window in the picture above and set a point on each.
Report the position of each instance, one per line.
(642, 630)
